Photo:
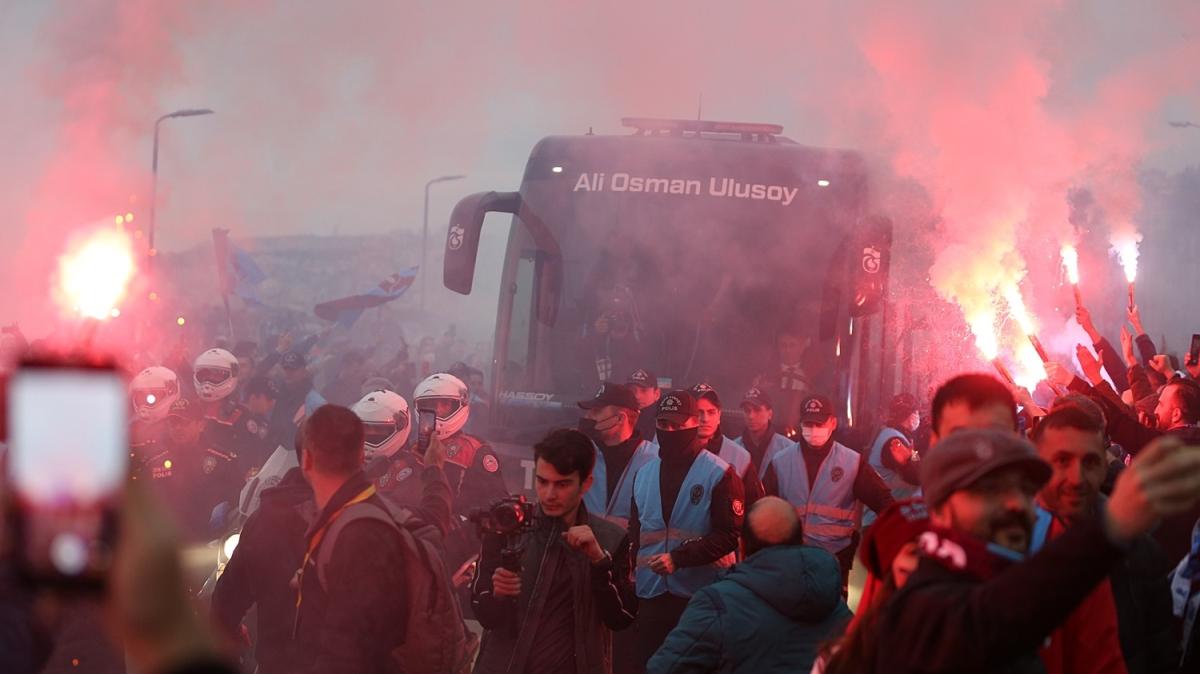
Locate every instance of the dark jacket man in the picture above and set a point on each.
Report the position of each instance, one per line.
(352, 623)
(601, 596)
(260, 571)
(770, 613)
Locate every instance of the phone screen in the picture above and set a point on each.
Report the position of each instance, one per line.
(426, 424)
(67, 461)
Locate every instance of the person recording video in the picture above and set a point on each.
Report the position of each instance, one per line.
(553, 582)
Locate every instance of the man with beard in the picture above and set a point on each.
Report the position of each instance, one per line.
(1071, 440)
(685, 520)
(972, 605)
(978, 401)
(708, 408)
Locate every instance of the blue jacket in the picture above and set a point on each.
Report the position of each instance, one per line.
(771, 613)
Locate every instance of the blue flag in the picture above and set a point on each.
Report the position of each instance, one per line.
(346, 311)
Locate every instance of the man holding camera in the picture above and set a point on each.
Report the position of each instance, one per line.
(550, 589)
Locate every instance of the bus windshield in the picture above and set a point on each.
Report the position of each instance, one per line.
(692, 286)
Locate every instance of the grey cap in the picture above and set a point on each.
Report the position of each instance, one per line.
(966, 456)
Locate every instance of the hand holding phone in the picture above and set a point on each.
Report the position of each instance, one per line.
(426, 425)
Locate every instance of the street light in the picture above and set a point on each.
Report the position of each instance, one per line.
(186, 112)
(425, 231)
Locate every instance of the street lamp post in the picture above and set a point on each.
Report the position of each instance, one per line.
(425, 231)
(187, 112)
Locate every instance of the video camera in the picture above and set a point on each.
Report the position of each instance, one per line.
(510, 517)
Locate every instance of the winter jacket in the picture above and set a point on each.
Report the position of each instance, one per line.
(946, 620)
(770, 613)
(604, 597)
(270, 549)
(1140, 586)
(350, 624)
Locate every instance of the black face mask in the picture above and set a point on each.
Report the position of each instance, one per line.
(675, 443)
(588, 427)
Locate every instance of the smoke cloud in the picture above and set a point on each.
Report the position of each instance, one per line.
(331, 117)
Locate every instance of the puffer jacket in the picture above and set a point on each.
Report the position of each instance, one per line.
(770, 613)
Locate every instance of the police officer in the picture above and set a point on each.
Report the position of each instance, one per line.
(610, 420)
(892, 454)
(708, 406)
(387, 428)
(645, 389)
(827, 482)
(152, 393)
(231, 428)
(759, 438)
(685, 520)
(192, 476)
(471, 465)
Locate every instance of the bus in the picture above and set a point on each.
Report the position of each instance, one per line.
(701, 251)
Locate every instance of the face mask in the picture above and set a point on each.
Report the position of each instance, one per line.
(587, 426)
(676, 442)
(816, 437)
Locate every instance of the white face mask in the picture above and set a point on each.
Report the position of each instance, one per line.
(816, 437)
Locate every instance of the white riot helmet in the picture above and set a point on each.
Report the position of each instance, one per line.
(153, 391)
(448, 388)
(385, 422)
(215, 374)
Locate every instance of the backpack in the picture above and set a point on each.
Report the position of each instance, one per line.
(437, 641)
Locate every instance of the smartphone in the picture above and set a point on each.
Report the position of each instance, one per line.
(426, 425)
(1195, 349)
(68, 456)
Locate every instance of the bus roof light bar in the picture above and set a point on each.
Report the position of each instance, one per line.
(652, 125)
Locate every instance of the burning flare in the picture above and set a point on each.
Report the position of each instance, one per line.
(1127, 255)
(1070, 260)
(94, 274)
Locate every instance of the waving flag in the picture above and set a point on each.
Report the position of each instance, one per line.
(238, 272)
(345, 311)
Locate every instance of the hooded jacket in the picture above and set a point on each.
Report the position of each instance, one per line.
(770, 613)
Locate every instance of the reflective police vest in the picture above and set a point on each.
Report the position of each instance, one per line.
(735, 455)
(829, 511)
(617, 509)
(900, 489)
(689, 519)
(775, 445)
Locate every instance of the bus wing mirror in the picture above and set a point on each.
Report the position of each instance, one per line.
(462, 246)
(462, 238)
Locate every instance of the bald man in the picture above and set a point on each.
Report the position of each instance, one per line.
(785, 599)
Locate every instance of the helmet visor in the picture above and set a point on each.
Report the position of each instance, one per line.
(150, 397)
(376, 434)
(213, 375)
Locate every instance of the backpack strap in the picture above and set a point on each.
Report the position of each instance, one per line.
(355, 513)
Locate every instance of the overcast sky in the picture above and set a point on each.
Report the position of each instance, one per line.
(331, 115)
